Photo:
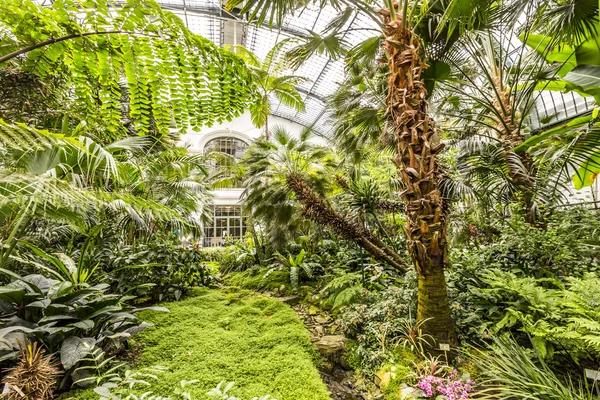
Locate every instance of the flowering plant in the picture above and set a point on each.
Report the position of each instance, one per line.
(450, 388)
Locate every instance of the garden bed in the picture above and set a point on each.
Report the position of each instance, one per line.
(214, 336)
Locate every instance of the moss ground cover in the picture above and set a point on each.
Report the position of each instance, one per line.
(252, 279)
(215, 336)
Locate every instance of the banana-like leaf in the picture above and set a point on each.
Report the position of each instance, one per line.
(574, 124)
(585, 79)
(587, 173)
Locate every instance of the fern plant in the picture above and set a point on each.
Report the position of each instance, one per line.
(342, 289)
(169, 74)
(558, 318)
(295, 265)
(96, 368)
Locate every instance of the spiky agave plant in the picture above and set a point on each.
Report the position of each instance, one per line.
(34, 377)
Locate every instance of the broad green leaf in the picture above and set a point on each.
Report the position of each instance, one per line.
(587, 172)
(11, 295)
(574, 124)
(74, 349)
(21, 279)
(563, 54)
(588, 53)
(585, 79)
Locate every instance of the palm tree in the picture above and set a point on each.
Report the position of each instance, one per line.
(497, 87)
(287, 175)
(267, 164)
(70, 178)
(416, 144)
(271, 83)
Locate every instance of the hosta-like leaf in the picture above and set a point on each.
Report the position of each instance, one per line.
(86, 324)
(74, 349)
(137, 329)
(11, 295)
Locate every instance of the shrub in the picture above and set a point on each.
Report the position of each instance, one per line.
(297, 266)
(555, 318)
(158, 271)
(559, 248)
(214, 254)
(515, 373)
(65, 318)
(376, 321)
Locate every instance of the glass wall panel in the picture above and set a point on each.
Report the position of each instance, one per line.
(227, 223)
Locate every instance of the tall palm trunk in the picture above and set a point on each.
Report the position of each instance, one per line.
(417, 146)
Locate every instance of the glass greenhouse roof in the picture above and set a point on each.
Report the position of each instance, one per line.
(208, 19)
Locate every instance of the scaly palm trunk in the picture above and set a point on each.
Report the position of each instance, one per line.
(417, 146)
(510, 138)
(317, 209)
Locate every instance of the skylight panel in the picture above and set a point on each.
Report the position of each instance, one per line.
(204, 25)
(281, 110)
(328, 82)
(260, 40)
(203, 5)
(553, 107)
(312, 70)
(302, 21)
(314, 109)
(326, 14)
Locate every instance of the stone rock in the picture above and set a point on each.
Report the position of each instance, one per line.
(339, 375)
(312, 310)
(319, 319)
(384, 377)
(291, 300)
(320, 330)
(331, 345)
(407, 392)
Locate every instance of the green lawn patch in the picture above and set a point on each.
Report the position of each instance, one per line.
(212, 336)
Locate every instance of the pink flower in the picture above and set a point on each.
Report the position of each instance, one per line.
(452, 387)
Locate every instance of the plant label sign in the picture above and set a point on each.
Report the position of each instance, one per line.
(444, 347)
(592, 374)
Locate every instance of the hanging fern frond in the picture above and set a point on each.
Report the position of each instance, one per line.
(171, 75)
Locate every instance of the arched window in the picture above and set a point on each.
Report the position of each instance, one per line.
(225, 172)
(228, 145)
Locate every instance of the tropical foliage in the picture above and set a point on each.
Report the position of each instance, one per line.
(271, 82)
(169, 73)
(435, 226)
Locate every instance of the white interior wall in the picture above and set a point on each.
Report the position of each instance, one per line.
(240, 127)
